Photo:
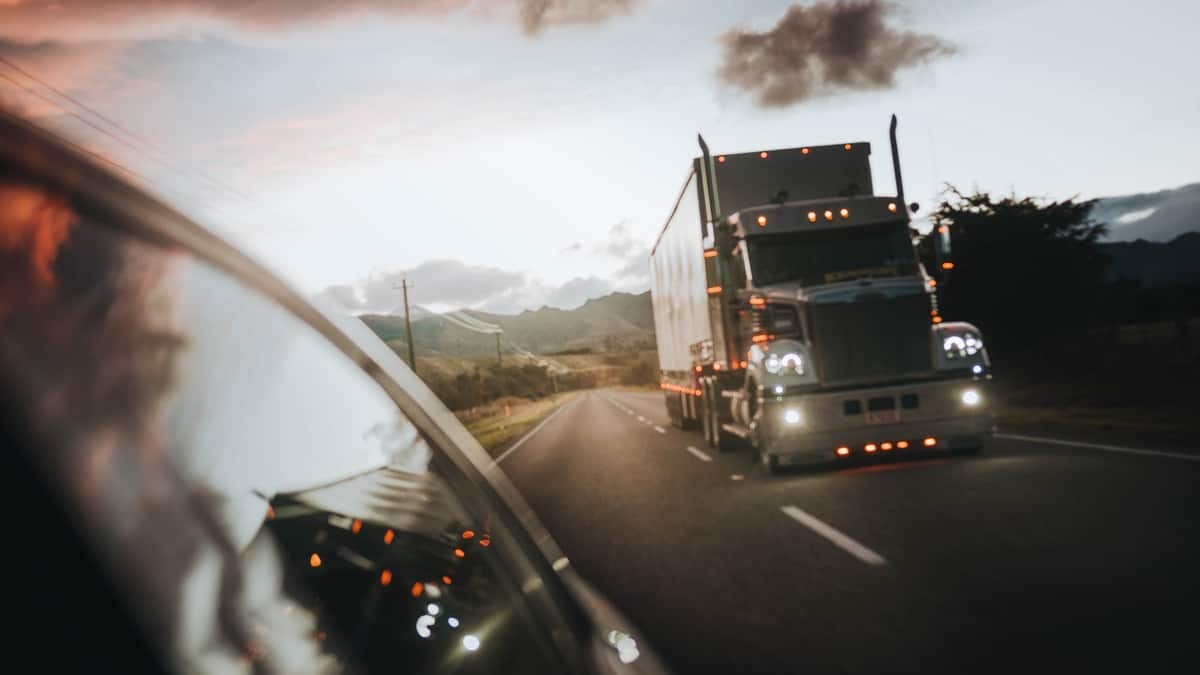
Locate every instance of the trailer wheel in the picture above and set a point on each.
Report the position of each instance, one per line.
(706, 416)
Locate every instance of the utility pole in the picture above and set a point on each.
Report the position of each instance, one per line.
(412, 359)
(499, 359)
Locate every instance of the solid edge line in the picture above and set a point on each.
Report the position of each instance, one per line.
(1099, 446)
(519, 443)
(840, 540)
(699, 454)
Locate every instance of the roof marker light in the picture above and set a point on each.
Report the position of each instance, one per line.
(804, 151)
(892, 207)
(845, 213)
(763, 154)
(847, 146)
(828, 215)
(812, 216)
(721, 159)
(762, 221)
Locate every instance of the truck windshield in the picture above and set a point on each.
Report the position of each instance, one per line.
(828, 256)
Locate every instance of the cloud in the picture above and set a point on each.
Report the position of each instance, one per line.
(451, 284)
(37, 20)
(537, 15)
(824, 49)
(632, 252)
(573, 248)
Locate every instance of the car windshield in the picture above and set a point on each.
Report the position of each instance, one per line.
(828, 256)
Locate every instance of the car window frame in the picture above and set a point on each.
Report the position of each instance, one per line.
(35, 155)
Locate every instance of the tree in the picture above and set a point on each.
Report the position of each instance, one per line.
(1027, 271)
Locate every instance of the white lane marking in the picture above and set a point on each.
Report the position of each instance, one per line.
(1105, 448)
(840, 540)
(642, 419)
(699, 454)
(659, 429)
(529, 435)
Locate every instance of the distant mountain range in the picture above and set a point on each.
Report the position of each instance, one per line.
(1154, 239)
(618, 320)
(1154, 216)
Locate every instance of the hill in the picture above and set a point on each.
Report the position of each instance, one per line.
(1155, 265)
(614, 322)
(1154, 216)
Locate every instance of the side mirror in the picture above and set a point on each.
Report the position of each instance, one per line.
(914, 207)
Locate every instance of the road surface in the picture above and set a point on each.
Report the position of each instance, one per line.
(1031, 556)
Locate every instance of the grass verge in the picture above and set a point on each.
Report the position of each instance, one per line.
(498, 423)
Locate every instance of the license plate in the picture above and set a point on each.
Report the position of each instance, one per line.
(883, 416)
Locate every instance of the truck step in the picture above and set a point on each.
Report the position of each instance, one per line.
(737, 430)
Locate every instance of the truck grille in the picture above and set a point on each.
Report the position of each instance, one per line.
(871, 339)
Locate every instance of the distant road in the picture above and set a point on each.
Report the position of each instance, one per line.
(1028, 557)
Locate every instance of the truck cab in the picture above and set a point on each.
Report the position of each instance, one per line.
(822, 339)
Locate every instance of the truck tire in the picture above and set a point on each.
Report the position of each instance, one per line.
(770, 463)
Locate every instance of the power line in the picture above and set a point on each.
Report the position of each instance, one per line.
(129, 135)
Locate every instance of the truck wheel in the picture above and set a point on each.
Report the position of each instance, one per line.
(706, 416)
(770, 463)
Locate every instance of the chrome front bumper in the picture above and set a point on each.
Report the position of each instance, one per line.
(811, 427)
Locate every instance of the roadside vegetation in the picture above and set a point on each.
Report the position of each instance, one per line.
(1075, 346)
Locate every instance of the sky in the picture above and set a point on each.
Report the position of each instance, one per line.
(508, 154)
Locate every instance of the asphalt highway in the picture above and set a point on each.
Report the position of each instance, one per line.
(1032, 556)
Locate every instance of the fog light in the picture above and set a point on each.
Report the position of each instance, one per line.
(970, 397)
(791, 416)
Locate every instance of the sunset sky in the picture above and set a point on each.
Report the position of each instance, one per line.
(506, 154)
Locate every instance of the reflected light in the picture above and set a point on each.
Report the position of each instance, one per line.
(314, 560)
(424, 623)
(469, 534)
(470, 642)
(485, 542)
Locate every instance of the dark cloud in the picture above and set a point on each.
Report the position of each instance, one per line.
(537, 15)
(824, 49)
(35, 20)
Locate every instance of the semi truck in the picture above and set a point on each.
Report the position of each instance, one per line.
(794, 315)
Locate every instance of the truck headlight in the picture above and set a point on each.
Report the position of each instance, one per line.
(790, 362)
(961, 346)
